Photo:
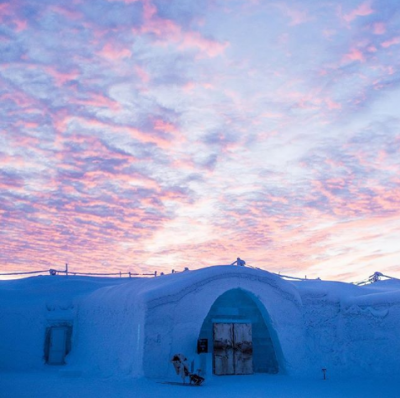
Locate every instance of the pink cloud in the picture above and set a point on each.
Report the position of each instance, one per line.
(112, 53)
(195, 40)
(61, 78)
(69, 14)
(379, 28)
(5, 9)
(354, 55)
(272, 115)
(388, 199)
(20, 25)
(184, 163)
(63, 120)
(391, 42)
(161, 125)
(362, 10)
(310, 100)
(189, 86)
(142, 73)
(332, 104)
(149, 9)
(28, 125)
(12, 160)
(19, 98)
(208, 86)
(390, 70)
(297, 17)
(168, 31)
(98, 100)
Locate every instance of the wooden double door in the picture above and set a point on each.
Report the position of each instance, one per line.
(233, 349)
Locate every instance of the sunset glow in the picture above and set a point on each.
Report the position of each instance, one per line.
(149, 135)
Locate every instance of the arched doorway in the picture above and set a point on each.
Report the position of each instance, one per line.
(238, 336)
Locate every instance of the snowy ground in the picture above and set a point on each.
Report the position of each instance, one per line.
(53, 384)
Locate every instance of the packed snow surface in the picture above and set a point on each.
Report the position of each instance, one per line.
(42, 385)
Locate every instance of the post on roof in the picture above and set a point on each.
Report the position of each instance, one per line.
(376, 276)
(129, 274)
(120, 274)
(155, 273)
(66, 269)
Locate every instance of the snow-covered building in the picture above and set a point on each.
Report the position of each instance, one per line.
(225, 320)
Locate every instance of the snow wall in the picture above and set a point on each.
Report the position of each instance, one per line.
(28, 307)
(352, 330)
(136, 329)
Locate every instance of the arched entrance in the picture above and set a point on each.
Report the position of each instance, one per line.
(238, 336)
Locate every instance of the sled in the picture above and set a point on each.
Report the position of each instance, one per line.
(181, 368)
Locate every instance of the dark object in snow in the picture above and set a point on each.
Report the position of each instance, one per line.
(324, 372)
(181, 368)
(376, 276)
(176, 383)
(239, 262)
(202, 346)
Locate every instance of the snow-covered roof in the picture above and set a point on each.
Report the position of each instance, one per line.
(41, 288)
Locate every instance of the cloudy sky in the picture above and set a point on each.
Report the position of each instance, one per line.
(148, 135)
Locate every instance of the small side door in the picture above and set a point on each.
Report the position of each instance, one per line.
(58, 345)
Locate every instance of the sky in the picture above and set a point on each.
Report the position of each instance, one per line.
(143, 135)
